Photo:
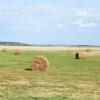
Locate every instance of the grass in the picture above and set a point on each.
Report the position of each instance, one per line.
(66, 78)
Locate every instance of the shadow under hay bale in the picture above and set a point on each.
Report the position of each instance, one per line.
(28, 69)
(39, 63)
(17, 52)
(79, 55)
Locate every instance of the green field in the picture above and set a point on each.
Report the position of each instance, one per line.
(66, 78)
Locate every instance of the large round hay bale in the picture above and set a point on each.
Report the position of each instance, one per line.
(88, 50)
(39, 63)
(79, 55)
(17, 52)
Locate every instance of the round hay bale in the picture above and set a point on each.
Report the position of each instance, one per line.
(4, 50)
(39, 63)
(88, 50)
(17, 52)
(80, 55)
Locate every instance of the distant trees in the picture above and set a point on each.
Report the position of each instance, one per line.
(13, 44)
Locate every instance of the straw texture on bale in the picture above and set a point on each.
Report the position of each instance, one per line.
(17, 52)
(88, 50)
(80, 55)
(39, 63)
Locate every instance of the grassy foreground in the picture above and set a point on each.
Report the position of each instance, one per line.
(66, 78)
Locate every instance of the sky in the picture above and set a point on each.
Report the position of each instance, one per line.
(69, 22)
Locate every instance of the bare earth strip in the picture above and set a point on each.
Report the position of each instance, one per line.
(47, 48)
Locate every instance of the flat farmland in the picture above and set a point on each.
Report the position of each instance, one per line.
(48, 48)
(65, 79)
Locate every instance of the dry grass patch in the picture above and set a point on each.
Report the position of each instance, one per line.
(19, 82)
(93, 53)
(4, 50)
(88, 86)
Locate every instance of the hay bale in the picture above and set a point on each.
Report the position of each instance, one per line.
(88, 50)
(39, 63)
(4, 50)
(17, 52)
(80, 55)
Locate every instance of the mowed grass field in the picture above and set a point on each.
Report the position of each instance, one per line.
(66, 78)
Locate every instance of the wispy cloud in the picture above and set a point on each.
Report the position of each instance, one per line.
(37, 17)
(84, 23)
(29, 17)
(82, 13)
(30, 8)
(60, 25)
(51, 19)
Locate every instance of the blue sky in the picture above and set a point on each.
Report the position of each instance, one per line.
(70, 22)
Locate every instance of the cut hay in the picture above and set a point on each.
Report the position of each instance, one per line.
(17, 52)
(39, 63)
(4, 50)
(79, 55)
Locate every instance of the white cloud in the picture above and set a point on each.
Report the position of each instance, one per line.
(25, 24)
(37, 17)
(78, 22)
(60, 25)
(4, 7)
(82, 13)
(20, 18)
(88, 24)
(84, 23)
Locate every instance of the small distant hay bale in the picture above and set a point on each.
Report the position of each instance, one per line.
(4, 50)
(39, 63)
(17, 52)
(88, 50)
(79, 55)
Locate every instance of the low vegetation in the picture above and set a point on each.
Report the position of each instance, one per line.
(66, 79)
